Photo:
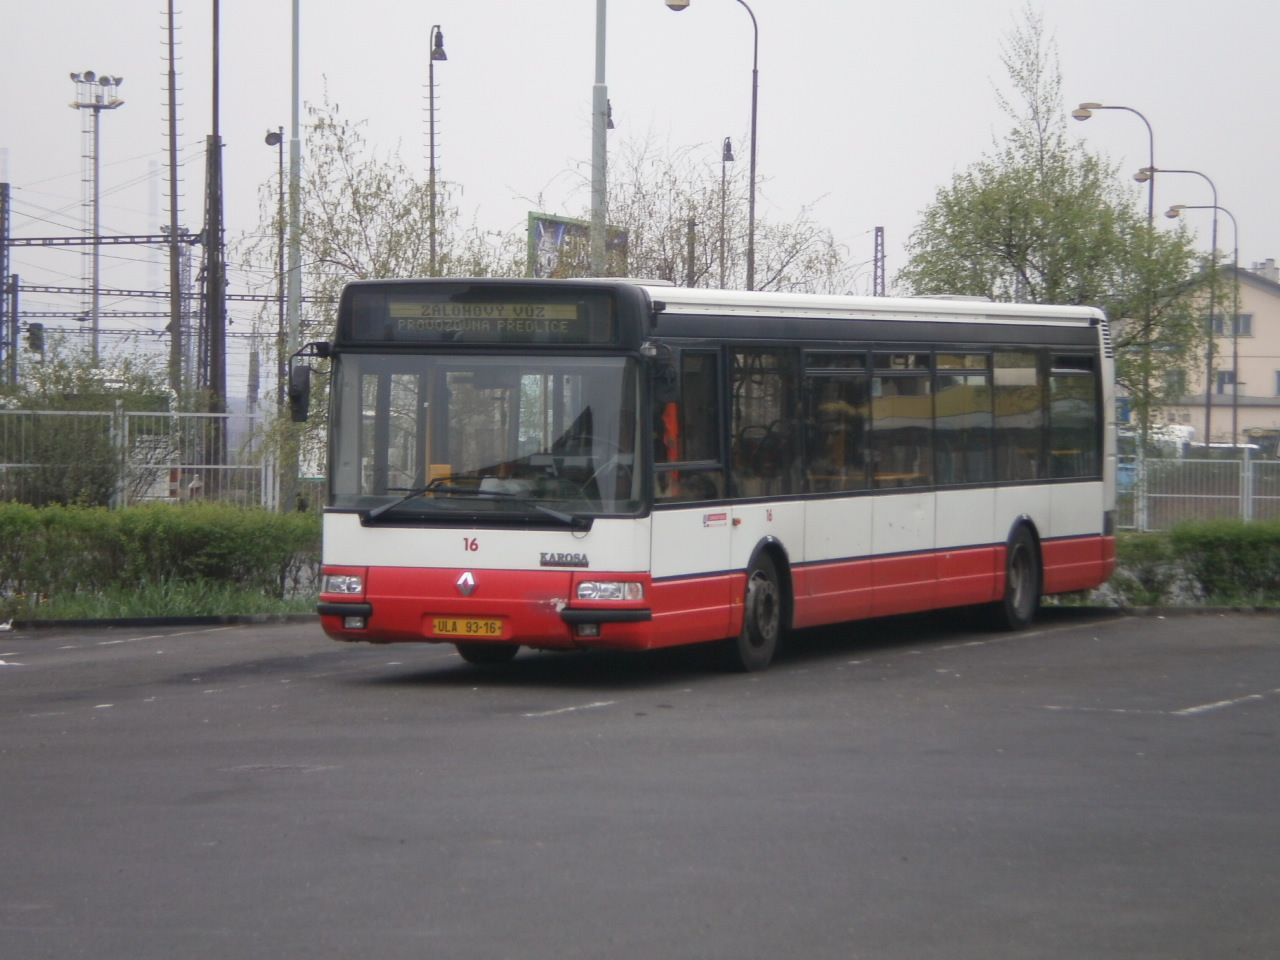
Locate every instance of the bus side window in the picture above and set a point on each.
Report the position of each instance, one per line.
(1020, 416)
(763, 425)
(962, 419)
(1073, 422)
(686, 433)
(901, 421)
(837, 412)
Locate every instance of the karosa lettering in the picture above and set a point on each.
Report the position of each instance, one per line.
(564, 560)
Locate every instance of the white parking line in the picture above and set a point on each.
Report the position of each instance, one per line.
(161, 636)
(1223, 704)
(586, 706)
(1195, 711)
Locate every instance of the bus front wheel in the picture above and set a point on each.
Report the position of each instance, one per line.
(753, 648)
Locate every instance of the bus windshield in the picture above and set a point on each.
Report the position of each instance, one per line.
(428, 437)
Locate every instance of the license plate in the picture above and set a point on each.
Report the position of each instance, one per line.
(465, 627)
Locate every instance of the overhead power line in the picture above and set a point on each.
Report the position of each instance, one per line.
(154, 294)
(159, 239)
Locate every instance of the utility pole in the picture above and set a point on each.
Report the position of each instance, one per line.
(8, 319)
(877, 269)
(215, 266)
(95, 93)
(599, 151)
(175, 251)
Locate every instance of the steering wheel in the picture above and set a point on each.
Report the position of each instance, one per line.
(615, 453)
(763, 446)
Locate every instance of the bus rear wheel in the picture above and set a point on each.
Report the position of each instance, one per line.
(1021, 583)
(485, 654)
(753, 648)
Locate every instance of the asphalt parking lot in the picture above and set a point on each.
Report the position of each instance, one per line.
(1098, 786)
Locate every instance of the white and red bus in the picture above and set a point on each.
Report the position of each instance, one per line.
(607, 464)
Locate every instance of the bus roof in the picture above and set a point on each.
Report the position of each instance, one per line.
(743, 303)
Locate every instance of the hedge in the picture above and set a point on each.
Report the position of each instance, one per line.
(56, 550)
(1219, 562)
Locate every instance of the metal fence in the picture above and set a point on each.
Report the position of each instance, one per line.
(1162, 492)
(116, 458)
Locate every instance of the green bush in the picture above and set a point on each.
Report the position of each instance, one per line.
(57, 553)
(1232, 561)
(1218, 562)
(1146, 570)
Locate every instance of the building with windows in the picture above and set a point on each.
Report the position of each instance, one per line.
(1245, 388)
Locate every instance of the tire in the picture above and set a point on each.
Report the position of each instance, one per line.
(1021, 598)
(762, 625)
(487, 654)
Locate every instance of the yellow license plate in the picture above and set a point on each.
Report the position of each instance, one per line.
(465, 627)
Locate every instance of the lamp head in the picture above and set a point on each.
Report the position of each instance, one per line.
(1174, 212)
(1145, 174)
(726, 153)
(1081, 113)
(437, 45)
(273, 138)
(677, 5)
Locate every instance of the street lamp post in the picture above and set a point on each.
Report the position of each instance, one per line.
(1084, 112)
(726, 157)
(1176, 211)
(755, 98)
(275, 138)
(96, 93)
(1213, 288)
(437, 53)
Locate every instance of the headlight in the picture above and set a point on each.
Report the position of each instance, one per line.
(610, 590)
(344, 583)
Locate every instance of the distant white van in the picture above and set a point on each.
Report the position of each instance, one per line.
(1223, 451)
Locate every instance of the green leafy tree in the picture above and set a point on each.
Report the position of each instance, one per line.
(1041, 219)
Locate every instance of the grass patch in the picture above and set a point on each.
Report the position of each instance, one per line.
(176, 599)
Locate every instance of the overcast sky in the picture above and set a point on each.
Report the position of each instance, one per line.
(865, 110)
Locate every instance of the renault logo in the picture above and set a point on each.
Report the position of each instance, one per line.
(466, 584)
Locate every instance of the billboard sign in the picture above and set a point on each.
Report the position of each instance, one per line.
(561, 247)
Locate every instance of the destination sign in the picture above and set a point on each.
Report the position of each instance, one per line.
(467, 313)
(496, 322)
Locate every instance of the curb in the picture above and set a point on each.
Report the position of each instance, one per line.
(167, 621)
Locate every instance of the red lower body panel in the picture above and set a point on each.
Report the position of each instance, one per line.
(410, 604)
(528, 607)
(1077, 564)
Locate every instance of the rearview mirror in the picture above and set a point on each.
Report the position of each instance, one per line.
(299, 392)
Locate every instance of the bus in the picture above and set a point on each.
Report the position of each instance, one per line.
(574, 464)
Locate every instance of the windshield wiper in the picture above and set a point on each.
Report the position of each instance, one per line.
(440, 487)
(571, 520)
(375, 512)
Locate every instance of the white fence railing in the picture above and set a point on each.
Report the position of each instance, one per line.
(1165, 492)
(115, 458)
